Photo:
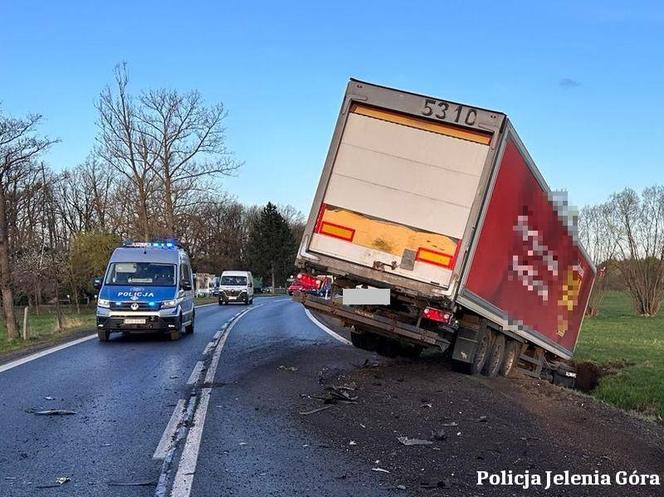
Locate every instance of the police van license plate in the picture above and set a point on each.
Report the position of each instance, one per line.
(134, 321)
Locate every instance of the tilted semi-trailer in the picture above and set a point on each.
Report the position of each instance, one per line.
(441, 232)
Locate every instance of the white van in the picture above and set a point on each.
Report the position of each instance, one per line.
(236, 286)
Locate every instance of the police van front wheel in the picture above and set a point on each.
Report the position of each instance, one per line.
(103, 335)
(190, 326)
(177, 332)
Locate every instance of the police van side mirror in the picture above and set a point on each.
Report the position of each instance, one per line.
(186, 286)
(96, 282)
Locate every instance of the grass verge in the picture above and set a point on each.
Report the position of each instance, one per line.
(43, 329)
(634, 347)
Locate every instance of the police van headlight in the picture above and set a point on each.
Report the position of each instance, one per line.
(103, 303)
(169, 304)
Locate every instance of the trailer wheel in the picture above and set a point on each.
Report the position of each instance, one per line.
(495, 358)
(387, 347)
(359, 340)
(482, 351)
(511, 357)
(364, 339)
(410, 351)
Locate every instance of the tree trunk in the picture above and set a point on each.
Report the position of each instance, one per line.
(168, 200)
(74, 292)
(274, 285)
(145, 222)
(5, 275)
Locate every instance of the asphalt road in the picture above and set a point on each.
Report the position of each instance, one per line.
(248, 423)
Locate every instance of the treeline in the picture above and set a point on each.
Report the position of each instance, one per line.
(154, 172)
(624, 236)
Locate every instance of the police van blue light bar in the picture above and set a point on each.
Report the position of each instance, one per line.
(157, 244)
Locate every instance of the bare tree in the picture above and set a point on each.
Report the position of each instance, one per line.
(596, 236)
(124, 146)
(19, 147)
(189, 141)
(637, 225)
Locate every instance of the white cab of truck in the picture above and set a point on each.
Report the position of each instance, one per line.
(236, 286)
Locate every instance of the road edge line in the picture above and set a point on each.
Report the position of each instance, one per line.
(45, 352)
(36, 355)
(327, 330)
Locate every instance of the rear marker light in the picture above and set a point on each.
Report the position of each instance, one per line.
(437, 315)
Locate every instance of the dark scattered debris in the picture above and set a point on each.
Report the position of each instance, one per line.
(313, 411)
(414, 441)
(50, 412)
(136, 483)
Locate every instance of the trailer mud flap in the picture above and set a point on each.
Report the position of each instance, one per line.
(465, 345)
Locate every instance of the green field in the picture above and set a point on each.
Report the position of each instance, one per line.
(43, 328)
(636, 345)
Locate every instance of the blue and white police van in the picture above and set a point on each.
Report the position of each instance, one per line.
(148, 288)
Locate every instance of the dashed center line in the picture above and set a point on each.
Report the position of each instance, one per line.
(183, 417)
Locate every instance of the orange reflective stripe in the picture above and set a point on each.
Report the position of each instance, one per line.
(337, 231)
(423, 124)
(434, 257)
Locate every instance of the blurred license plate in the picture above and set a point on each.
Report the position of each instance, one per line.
(134, 321)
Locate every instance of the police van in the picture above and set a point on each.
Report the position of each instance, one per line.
(148, 288)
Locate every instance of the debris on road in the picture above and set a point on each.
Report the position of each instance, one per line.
(482, 419)
(137, 483)
(439, 435)
(313, 411)
(287, 368)
(334, 394)
(61, 480)
(50, 412)
(414, 441)
(453, 423)
(380, 470)
(352, 442)
(48, 397)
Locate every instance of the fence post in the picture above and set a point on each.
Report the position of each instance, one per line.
(26, 325)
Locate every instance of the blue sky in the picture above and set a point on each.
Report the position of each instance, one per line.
(582, 81)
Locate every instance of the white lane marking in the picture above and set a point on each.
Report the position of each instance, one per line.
(37, 355)
(209, 347)
(217, 334)
(196, 373)
(205, 305)
(327, 330)
(184, 476)
(168, 436)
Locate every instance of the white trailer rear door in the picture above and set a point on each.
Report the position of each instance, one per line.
(400, 193)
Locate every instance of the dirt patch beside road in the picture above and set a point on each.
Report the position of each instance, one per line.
(478, 424)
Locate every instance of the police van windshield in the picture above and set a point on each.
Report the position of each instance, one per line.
(141, 273)
(234, 280)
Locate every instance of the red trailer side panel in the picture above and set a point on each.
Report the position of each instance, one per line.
(526, 263)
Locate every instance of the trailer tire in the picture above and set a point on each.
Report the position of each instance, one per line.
(359, 340)
(511, 357)
(495, 358)
(387, 347)
(410, 351)
(485, 339)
